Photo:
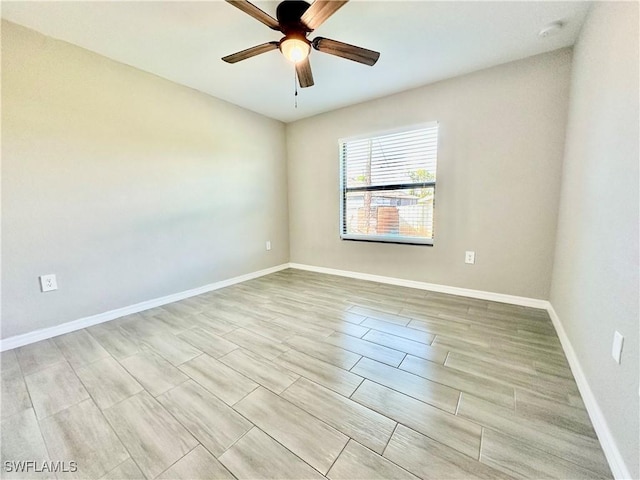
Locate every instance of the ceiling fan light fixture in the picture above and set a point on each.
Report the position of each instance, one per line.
(295, 48)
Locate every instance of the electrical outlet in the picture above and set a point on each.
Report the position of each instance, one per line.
(268, 244)
(470, 257)
(48, 282)
(616, 350)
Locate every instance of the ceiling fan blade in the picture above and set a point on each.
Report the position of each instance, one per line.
(344, 50)
(319, 11)
(305, 77)
(250, 52)
(250, 9)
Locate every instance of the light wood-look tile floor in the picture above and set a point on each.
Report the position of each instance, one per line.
(303, 375)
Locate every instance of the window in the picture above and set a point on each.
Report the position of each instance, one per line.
(388, 185)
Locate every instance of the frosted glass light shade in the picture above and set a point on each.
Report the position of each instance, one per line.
(294, 49)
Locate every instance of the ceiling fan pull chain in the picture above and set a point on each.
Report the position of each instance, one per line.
(295, 86)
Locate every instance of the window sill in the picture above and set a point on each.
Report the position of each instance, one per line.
(392, 240)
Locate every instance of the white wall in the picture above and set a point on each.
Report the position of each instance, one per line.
(501, 144)
(595, 277)
(125, 185)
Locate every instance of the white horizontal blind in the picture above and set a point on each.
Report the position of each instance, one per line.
(388, 186)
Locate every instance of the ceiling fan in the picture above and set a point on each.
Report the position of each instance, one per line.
(297, 19)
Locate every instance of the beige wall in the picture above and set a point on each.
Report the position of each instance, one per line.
(126, 186)
(500, 154)
(595, 277)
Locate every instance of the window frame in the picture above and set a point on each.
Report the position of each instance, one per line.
(344, 189)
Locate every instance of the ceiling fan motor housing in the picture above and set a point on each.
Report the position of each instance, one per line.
(289, 13)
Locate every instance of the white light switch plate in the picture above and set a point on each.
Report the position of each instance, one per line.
(616, 350)
(268, 244)
(48, 283)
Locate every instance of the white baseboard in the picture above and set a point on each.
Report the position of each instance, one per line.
(608, 443)
(434, 287)
(45, 333)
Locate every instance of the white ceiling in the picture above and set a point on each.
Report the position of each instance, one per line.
(420, 42)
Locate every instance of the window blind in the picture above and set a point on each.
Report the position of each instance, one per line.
(388, 184)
